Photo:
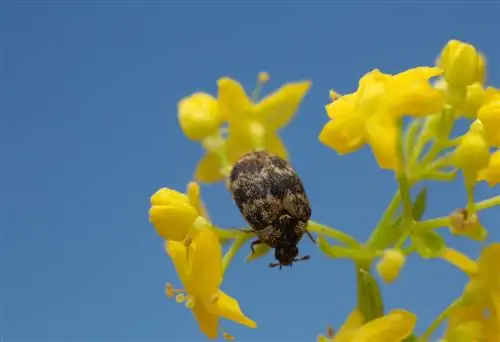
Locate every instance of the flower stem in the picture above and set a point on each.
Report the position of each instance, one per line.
(489, 203)
(332, 233)
(440, 319)
(404, 190)
(235, 247)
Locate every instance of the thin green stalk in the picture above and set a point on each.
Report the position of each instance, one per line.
(489, 203)
(404, 189)
(333, 233)
(434, 223)
(231, 253)
(440, 319)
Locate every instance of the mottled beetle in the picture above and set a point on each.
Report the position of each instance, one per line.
(272, 199)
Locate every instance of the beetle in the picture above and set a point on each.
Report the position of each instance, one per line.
(271, 197)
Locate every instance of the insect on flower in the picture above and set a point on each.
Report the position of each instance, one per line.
(272, 199)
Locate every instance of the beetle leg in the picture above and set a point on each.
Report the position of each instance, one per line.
(305, 257)
(256, 242)
(310, 236)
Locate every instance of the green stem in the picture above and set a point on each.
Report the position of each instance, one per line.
(404, 189)
(385, 222)
(333, 233)
(489, 203)
(433, 223)
(440, 319)
(235, 247)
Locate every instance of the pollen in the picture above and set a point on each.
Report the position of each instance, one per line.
(263, 77)
(181, 298)
(189, 304)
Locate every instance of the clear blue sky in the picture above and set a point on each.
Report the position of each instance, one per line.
(89, 131)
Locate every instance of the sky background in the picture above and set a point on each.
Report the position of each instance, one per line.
(89, 132)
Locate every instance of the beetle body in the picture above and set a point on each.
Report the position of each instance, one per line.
(272, 199)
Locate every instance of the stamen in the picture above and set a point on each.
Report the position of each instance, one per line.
(227, 336)
(334, 95)
(330, 332)
(170, 291)
(190, 303)
(180, 298)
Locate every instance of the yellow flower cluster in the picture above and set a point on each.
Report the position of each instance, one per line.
(252, 123)
(396, 115)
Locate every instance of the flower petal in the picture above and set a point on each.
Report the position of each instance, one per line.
(172, 222)
(393, 327)
(193, 193)
(206, 267)
(353, 322)
(178, 253)
(460, 260)
(199, 116)
(225, 306)
(411, 93)
(278, 108)
(341, 107)
(233, 100)
(382, 134)
(237, 145)
(209, 323)
(208, 169)
(275, 145)
(491, 174)
(489, 271)
(344, 135)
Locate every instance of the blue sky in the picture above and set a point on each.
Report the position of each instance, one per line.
(89, 131)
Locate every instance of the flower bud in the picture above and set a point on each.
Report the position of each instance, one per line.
(462, 64)
(199, 116)
(489, 114)
(172, 214)
(473, 152)
(391, 264)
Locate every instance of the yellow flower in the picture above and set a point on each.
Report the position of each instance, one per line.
(411, 93)
(199, 116)
(199, 267)
(370, 114)
(174, 214)
(473, 152)
(491, 174)
(462, 64)
(391, 264)
(393, 327)
(251, 125)
(482, 293)
(489, 114)
(476, 95)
